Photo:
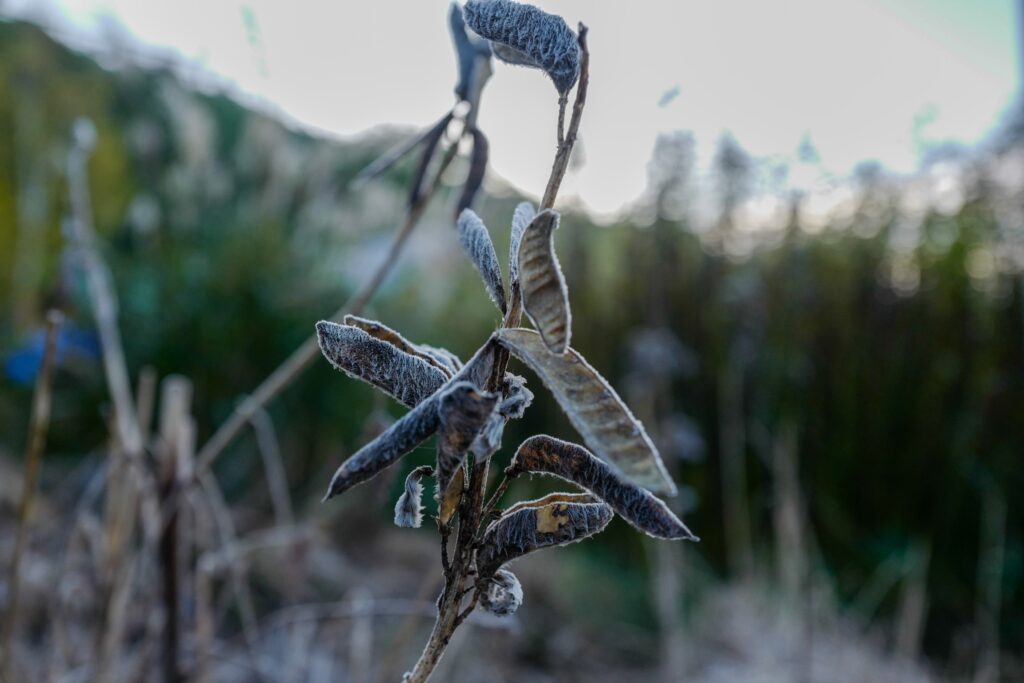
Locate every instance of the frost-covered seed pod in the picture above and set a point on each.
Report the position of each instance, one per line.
(533, 38)
(409, 508)
(502, 594)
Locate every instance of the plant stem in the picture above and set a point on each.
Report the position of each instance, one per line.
(38, 426)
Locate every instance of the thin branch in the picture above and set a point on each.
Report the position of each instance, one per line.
(567, 141)
(303, 356)
(273, 466)
(38, 426)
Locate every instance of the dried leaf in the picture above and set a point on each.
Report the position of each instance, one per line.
(545, 295)
(595, 410)
(406, 377)
(543, 39)
(463, 412)
(443, 360)
(410, 431)
(521, 219)
(476, 242)
(477, 170)
(551, 521)
(450, 503)
(501, 594)
(409, 509)
(547, 455)
(430, 143)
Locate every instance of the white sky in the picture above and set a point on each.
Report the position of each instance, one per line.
(863, 79)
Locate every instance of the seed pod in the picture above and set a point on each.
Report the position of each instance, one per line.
(467, 51)
(517, 397)
(502, 594)
(476, 242)
(408, 509)
(430, 142)
(463, 412)
(448, 505)
(477, 170)
(547, 455)
(538, 38)
(521, 219)
(407, 378)
(550, 521)
(409, 432)
(595, 410)
(388, 159)
(488, 441)
(439, 358)
(545, 295)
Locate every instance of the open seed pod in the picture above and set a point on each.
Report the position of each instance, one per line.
(557, 519)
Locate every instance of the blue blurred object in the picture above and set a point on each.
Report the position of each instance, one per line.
(22, 365)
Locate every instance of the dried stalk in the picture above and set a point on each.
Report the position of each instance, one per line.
(38, 427)
(473, 509)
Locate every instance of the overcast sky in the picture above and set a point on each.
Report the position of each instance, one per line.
(862, 79)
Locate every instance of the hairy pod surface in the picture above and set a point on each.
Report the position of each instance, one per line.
(477, 244)
(535, 37)
(554, 520)
(545, 294)
(517, 397)
(407, 378)
(546, 455)
(442, 359)
(410, 431)
(501, 594)
(595, 410)
(521, 219)
(463, 412)
(409, 508)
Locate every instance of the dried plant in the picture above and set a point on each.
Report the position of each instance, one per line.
(468, 405)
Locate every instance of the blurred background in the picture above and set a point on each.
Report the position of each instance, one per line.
(794, 240)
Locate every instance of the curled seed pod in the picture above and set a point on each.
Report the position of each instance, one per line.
(430, 142)
(443, 360)
(406, 377)
(408, 509)
(538, 38)
(501, 594)
(463, 411)
(467, 51)
(488, 440)
(547, 455)
(551, 521)
(545, 295)
(408, 432)
(550, 498)
(521, 219)
(517, 397)
(477, 170)
(476, 242)
(595, 410)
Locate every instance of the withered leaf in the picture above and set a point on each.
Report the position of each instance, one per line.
(545, 295)
(550, 521)
(476, 242)
(546, 455)
(521, 219)
(501, 594)
(443, 360)
(408, 432)
(409, 508)
(595, 410)
(406, 377)
(463, 411)
(448, 505)
(477, 170)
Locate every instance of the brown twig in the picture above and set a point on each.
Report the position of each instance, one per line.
(567, 141)
(38, 426)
